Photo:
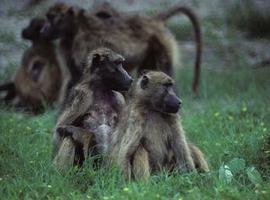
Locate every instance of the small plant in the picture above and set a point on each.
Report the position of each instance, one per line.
(237, 169)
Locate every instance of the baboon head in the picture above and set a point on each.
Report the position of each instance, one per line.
(32, 31)
(106, 67)
(155, 89)
(61, 21)
(38, 80)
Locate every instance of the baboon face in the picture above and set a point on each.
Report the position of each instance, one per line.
(60, 21)
(156, 90)
(108, 67)
(32, 31)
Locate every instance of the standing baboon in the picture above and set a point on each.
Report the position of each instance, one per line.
(144, 41)
(150, 137)
(93, 110)
(38, 80)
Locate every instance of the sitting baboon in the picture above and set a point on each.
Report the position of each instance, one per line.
(150, 137)
(144, 41)
(38, 80)
(92, 111)
(62, 22)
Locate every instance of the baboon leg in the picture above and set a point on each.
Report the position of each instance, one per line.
(65, 156)
(182, 153)
(199, 160)
(140, 164)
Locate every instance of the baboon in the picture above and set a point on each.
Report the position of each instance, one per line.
(93, 109)
(150, 137)
(62, 22)
(144, 41)
(38, 80)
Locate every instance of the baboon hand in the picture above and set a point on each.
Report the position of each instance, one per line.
(65, 131)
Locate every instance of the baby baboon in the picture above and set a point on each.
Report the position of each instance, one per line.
(150, 136)
(93, 110)
(38, 80)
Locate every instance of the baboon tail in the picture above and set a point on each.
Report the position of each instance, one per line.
(163, 16)
(199, 159)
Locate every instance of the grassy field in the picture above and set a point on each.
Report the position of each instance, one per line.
(229, 121)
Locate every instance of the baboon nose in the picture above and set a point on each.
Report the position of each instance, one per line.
(179, 103)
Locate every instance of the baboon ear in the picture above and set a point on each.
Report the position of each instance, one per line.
(95, 61)
(144, 82)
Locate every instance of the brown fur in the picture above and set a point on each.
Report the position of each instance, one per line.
(35, 94)
(149, 139)
(199, 159)
(144, 41)
(151, 41)
(37, 81)
(92, 112)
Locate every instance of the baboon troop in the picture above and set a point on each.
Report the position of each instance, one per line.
(152, 138)
(83, 62)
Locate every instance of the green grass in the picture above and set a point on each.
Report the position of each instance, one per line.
(229, 122)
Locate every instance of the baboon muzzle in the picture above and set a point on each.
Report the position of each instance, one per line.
(123, 81)
(172, 103)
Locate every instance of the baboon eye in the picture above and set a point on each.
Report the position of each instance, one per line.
(144, 82)
(118, 62)
(168, 84)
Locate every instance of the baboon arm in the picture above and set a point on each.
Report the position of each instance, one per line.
(80, 102)
(65, 156)
(129, 144)
(182, 153)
